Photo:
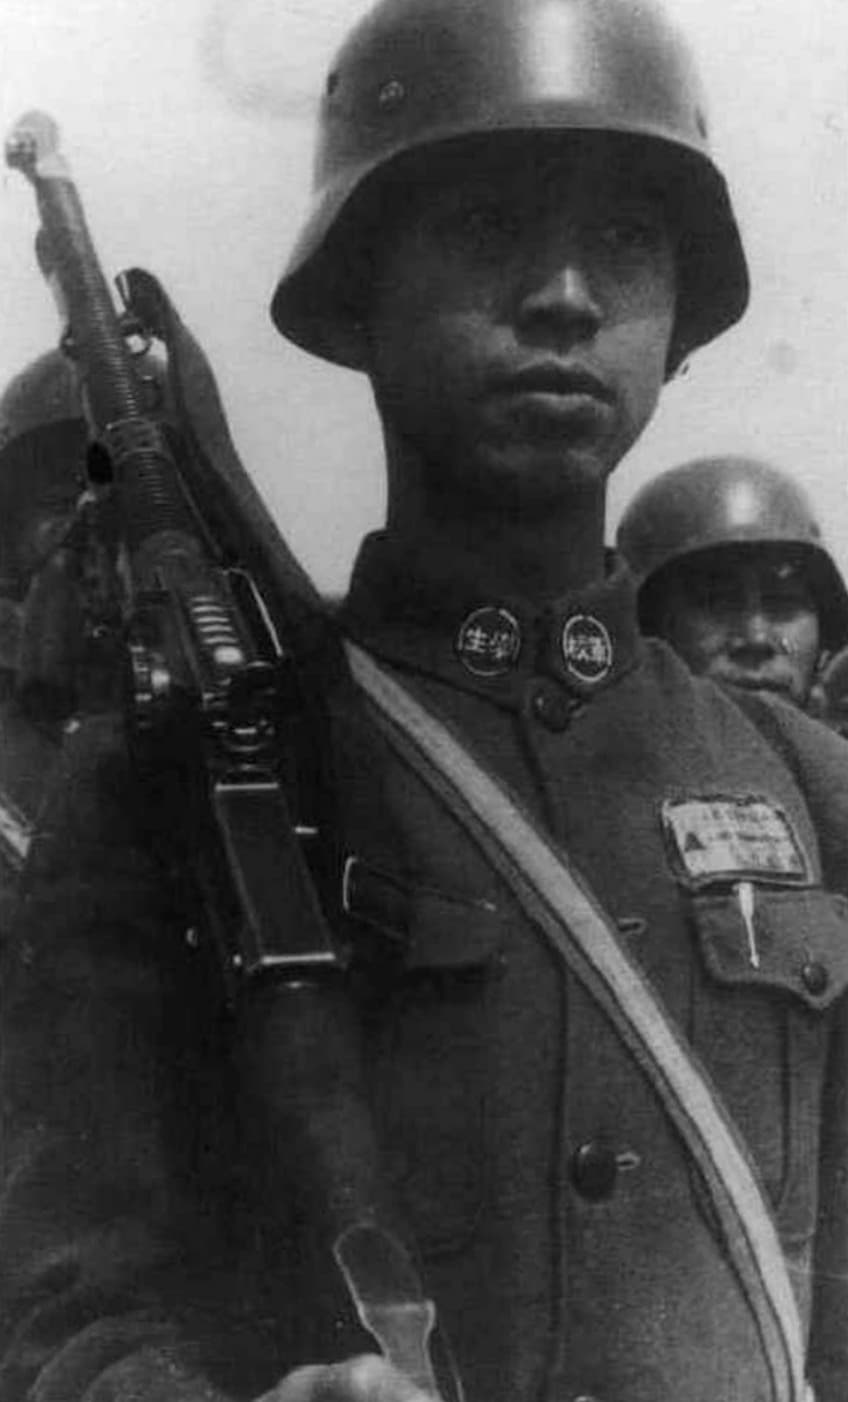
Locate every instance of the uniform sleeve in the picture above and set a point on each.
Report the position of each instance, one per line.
(819, 759)
(829, 1339)
(122, 1262)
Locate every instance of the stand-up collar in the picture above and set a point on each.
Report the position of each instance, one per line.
(424, 616)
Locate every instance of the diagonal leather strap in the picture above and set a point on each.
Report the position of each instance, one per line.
(560, 904)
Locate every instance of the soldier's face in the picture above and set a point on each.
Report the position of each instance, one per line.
(522, 313)
(746, 618)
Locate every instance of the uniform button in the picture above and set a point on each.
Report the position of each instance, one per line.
(815, 977)
(552, 707)
(594, 1170)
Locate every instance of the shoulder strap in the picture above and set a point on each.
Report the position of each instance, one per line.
(561, 905)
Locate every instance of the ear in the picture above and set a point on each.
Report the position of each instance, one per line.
(677, 365)
(679, 347)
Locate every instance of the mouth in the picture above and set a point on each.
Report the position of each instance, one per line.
(549, 401)
(752, 682)
(549, 379)
(552, 405)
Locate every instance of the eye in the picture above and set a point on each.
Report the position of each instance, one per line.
(488, 225)
(632, 233)
(713, 592)
(722, 598)
(784, 590)
(788, 598)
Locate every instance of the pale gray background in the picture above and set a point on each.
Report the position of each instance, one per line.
(189, 127)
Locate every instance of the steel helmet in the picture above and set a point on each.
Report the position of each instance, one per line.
(729, 501)
(43, 445)
(43, 440)
(414, 73)
(44, 392)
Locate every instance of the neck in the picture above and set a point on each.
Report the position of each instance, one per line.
(536, 548)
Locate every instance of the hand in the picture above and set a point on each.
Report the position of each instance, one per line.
(364, 1379)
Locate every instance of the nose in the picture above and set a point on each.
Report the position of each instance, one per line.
(754, 629)
(560, 295)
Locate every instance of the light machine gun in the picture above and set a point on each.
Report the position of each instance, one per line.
(227, 648)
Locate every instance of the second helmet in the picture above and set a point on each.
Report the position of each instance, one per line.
(730, 501)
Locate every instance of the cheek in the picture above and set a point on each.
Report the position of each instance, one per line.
(698, 637)
(803, 636)
(647, 373)
(643, 337)
(427, 348)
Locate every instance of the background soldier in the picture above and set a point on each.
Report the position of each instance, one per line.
(733, 572)
(518, 233)
(42, 467)
(51, 563)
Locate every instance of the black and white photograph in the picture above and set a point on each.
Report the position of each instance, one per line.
(424, 701)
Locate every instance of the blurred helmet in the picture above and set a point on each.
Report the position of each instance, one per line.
(45, 392)
(415, 73)
(44, 442)
(729, 501)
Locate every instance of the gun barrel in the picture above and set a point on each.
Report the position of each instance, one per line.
(97, 341)
(163, 536)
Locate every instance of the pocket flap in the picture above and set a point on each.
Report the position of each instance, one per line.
(426, 927)
(790, 940)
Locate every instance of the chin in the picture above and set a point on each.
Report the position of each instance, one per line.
(534, 478)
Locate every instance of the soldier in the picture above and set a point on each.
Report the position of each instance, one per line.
(733, 573)
(42, 464)
(518, 234)
(46, 566)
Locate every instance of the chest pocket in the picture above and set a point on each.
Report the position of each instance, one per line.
(794, 941)
(774, 963)
(439, 953)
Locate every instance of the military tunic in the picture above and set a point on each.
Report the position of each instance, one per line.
(568, 1240)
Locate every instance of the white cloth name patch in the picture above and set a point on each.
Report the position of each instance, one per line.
(719, 838)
